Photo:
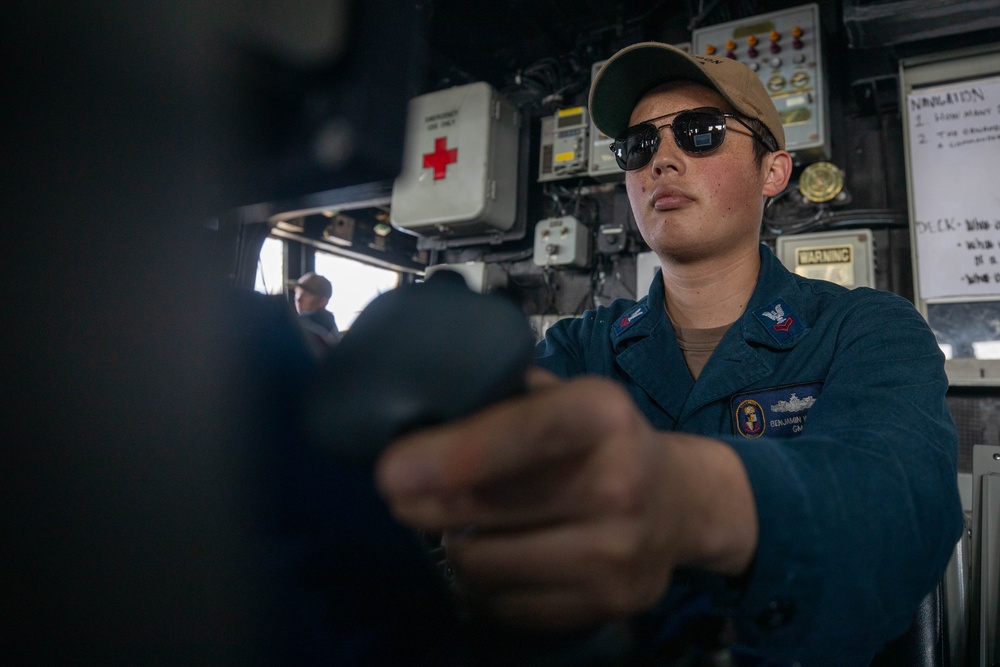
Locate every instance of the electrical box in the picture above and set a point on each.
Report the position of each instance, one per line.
(646, 266)
(459, 173)
(562, 241)
(564, 145)
(479, 276)
(611, 239)
(784, 49)
(846, 258)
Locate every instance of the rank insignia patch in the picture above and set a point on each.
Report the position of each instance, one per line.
(630, 318)
(779, 320)
(780, 412)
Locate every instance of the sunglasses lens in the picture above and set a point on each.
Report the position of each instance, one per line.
(636, 146)
(699, 131)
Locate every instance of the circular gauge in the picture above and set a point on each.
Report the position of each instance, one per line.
(820, 182)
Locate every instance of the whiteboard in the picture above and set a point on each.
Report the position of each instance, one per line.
(950, 104)
(955, 170)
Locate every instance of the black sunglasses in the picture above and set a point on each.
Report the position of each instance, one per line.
(696, 131)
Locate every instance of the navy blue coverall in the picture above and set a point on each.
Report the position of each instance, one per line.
(834, 399)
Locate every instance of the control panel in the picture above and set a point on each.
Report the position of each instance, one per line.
(784, 49)
(564, 145)
(602, 161)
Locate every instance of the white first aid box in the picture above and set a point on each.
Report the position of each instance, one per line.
(459, 172)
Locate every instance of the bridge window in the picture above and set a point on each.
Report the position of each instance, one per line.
(271, 267)
(354, 283)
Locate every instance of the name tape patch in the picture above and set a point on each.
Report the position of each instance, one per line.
(778, 412)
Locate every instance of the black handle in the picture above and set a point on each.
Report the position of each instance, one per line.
(421, 354)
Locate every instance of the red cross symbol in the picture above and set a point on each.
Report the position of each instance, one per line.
(440, 158)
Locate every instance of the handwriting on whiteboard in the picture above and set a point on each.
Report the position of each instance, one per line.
(954, 150)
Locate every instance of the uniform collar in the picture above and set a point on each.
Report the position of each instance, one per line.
(645, 349)
(776, 316)
(642, 319)
(645, 345)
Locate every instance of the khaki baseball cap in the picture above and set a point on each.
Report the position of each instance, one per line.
(628, 74)
(315, 284)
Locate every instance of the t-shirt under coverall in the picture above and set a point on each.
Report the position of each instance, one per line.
(834, 399)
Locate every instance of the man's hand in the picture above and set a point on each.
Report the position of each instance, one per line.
(564, 508)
